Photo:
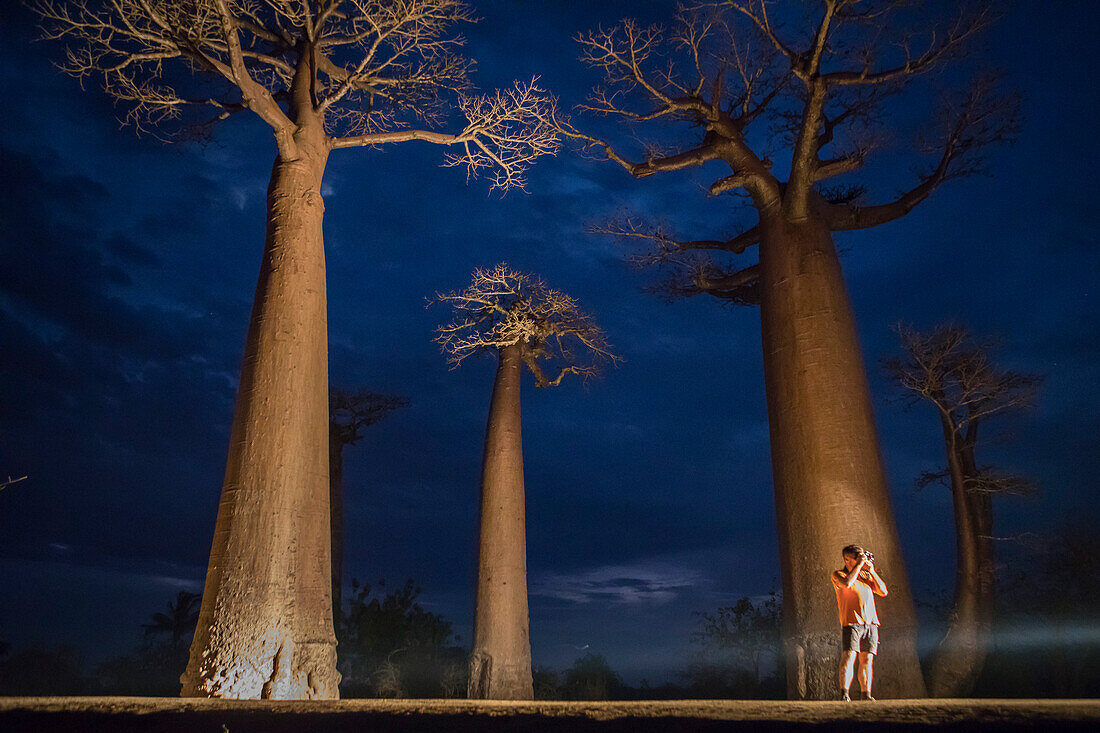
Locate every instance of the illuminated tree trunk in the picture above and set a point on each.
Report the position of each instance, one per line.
(500, 666)
(265, 627)
(830, 487)
(958, 659)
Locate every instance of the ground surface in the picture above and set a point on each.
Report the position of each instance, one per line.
(80, 714)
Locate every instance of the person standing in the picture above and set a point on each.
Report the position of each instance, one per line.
(856, 586)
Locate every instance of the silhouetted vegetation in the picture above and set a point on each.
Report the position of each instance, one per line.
(41, 671)
(180, 619)
(591, 678)
(545, 683)
(738, 652)
(349, 413)
(1045, 641)
(391, 647)
(737, 656)
(154, 668)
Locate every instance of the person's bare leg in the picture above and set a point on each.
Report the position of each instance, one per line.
(866, 673)
(847, 670)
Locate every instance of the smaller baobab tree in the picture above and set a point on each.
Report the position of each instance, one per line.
(518, 317)
(349, 414)
(948, 368)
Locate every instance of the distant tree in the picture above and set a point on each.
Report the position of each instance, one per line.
(323, 75)
(38, 671)
(821, 75)
(591, 678)
(545, 683)
(521, 320)
(180, 619)
(955, 373)
(1046, 643)
(154, 667)
(391, 647)
(349, 413)
(151, 670)
(741, 649)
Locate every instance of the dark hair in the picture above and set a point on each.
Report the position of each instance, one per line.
(853, 550)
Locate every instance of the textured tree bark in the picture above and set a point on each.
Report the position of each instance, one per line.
(500, 665)
(265, 626)
(830, 487)
(958, 659)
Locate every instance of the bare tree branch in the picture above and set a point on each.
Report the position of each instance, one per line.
(351, 412)
(949, 368)
(970, 122)
(630, 228)
(365, 69)
(504, 133)
(503, 307)
(709, 82)
(10, 481)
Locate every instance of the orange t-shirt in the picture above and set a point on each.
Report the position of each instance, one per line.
(856, 604)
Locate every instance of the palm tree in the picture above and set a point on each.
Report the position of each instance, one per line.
(180, 619)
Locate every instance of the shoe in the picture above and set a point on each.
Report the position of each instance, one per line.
(866, 696)
(845, 696)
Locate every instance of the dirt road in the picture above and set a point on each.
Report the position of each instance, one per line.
(156, 715)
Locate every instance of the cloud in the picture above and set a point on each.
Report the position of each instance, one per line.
(131, 253)
(56, 266)
(643, 582)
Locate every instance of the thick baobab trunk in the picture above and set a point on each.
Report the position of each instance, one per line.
(265, 627)
(500, 665)
(336, 521)
(958, 659)
(830, 487)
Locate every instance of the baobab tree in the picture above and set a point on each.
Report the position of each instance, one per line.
(819, 81)
(954, 372)
(324, 75)
(349, 413)
(517, 317)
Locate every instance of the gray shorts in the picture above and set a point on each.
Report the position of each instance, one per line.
(859, 638)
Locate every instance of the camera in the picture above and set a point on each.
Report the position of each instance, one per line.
(869, 556)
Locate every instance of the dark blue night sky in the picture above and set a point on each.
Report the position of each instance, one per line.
(127, 269)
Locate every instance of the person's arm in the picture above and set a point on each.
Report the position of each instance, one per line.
(878, 585)
(842, 581)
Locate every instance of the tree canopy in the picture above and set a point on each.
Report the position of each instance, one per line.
(367, 71)
(793, 97)
(504, 307)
